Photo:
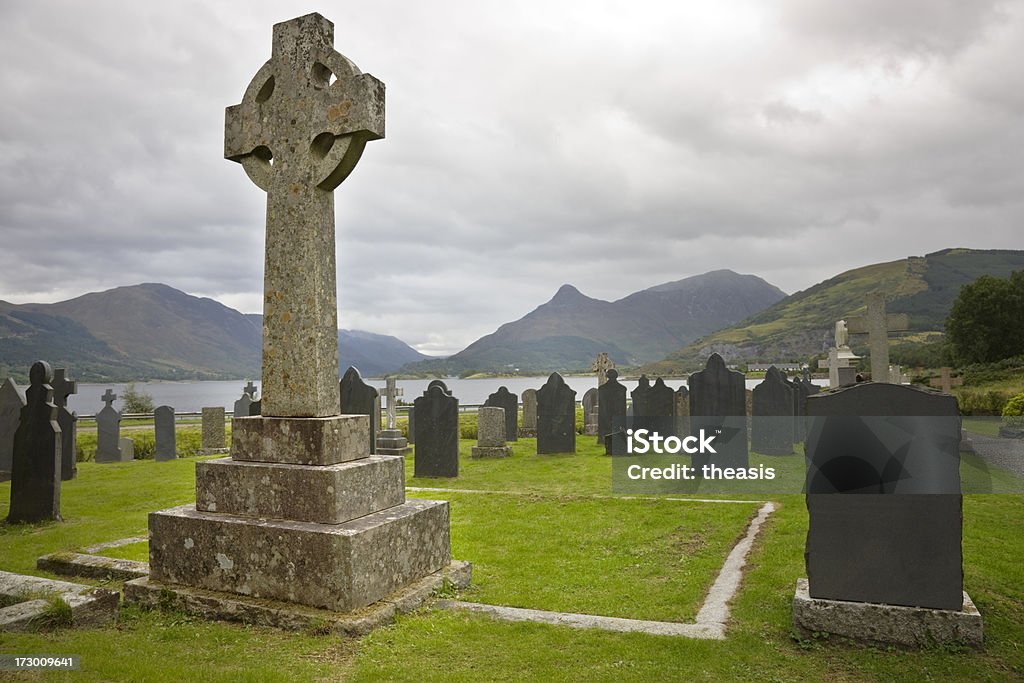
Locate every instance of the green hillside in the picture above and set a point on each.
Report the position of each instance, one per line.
(802, 325)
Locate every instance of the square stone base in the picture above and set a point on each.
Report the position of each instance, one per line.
(874, 624)
(391, 442)
(300, 440)
(227, 607)
(340, 567)
(491, 451)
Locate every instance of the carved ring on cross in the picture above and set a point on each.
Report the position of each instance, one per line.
(330, 121)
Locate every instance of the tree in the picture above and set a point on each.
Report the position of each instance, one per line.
(136, 401)
(986, 322)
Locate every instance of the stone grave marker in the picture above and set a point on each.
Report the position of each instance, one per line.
(601, 365)
(718, 401)
(214, 438)
(243, 405)
(359, 398)
(773, 409)
(682, 406)
(611, 413)
(884, 515)
(127, 447)
(590, 412)
(556, 417)
(490, 434)
(11, 404)
(945, 382)
(35, 471)
(803, 388)
(503, 398)
(877, 324)
(437, 432)
(390, 440)
(529, 429)
(300, 512)
(411, 411)
(108, 431)
(68, 421)
(166, 434)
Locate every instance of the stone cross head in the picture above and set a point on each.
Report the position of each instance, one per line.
(109, 398)
(250, 389)
(62, 387)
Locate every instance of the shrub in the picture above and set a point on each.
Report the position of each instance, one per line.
(1013, 412)
(974, 402)
(136, 401)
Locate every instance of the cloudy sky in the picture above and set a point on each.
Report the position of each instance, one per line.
(614, 146)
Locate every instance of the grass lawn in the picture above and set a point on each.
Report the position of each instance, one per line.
(555, 539)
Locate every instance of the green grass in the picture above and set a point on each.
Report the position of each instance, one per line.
(565, 545)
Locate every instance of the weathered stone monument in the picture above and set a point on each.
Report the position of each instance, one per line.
(68, 421)
(11, 404)
(390, 440)
(773, 410)
(35, 471)
(556, 417)
(529, 428)
(803, 387)
(490, 434)
(505, 399)
(127, 446)
(601, 365)
(166, 434)
(883, 554)
(653, 400)
(359, 398)
(214, 438)
(301, 512)
(611, 414)
(437, 432)
(877, 324)
(945, 381)
(108, 431)
(842, 362)
(244, 404)
(718, 403)
(590, 412)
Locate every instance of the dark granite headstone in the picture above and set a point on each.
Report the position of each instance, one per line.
(898, 541)
(256, 407)
(772, 409)
(718, 401)
(35, 473)
(640, 394)
(803, 388)
(359, 398)
(503, 398)
(108, 430)
(682, 399)
(11, 404)
(412, 424)
(590, 404)
(166, 435)
(68, 422)
(658, 401)
(611, 413)
(556, 417)
(437, 432)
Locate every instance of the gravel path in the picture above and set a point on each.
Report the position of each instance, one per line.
(1007, 454)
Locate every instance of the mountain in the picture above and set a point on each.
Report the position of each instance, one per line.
(802, 325)
(569, 330)
(152, 331)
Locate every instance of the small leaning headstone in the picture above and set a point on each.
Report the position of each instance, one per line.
(529, 429)
(213, 439)
(590, 404)
(490, 434)
(166, 435)
(35, 474)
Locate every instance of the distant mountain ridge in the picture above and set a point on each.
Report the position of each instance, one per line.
(153, 331)
(569, 330)
(803, 324)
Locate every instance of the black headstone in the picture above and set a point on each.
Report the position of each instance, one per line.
(35, 474)
(68, 422)
(437, 432)
(611, 413)
(166, 434)
(772, 409)
(718, 402)
(657, 400)
(883, 496)
(803, 388)
(11, 403)
(359, 398)
(412, 424)
(503, 398)
(556, 416)
(256, 407)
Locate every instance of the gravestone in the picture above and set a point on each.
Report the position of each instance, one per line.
(11, 404)
(877, 324)
(256, 408)
(503, 398)
(127, 447)
(166, 434)
(590, 412)
(653, 400)
(244, 404)
(718, 401)
(611, 414)
(529, 429)
(682, 405)
(437, 432)
(411, 411)
(300, 512)
(359, 398)
(841, 363)
(214, 439)
(803, 387)
(945, 381)
(68, 421)
(773, 410)
(490, 434)
(35, 470)
(601, 365)
(556, 417)
(884, 503)
(108, 431)
(390, 440)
